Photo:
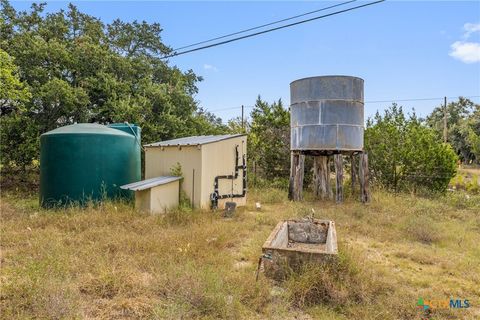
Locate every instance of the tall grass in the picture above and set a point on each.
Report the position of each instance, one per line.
(108, 261)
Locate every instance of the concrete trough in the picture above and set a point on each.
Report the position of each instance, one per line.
(296, 242)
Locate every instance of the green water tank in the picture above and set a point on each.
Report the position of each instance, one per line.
(88, 162)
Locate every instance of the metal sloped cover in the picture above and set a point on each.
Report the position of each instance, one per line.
(194, 140)
(150, 183)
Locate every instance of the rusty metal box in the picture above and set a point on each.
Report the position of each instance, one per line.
(296, 242)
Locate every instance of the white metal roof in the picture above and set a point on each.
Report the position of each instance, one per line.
(150, 183)
(195, 140)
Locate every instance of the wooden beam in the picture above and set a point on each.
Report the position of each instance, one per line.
(339, 177)
(364, 178)
(292, 176)
(353, 172)
(321, 178)
(297, 166)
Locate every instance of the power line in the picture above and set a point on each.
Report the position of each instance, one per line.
(264, 25)
(417, 99)
(366, 102)
(231, 108)
(272, 29)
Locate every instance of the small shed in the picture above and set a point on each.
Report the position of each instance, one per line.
(156, 195)
(214, 168)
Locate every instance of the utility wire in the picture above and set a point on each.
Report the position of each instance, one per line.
(264, 25)
(231, 108)
(270, 30)
(373, 101)
(417, 99)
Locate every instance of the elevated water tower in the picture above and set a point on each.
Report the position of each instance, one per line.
(327, 120)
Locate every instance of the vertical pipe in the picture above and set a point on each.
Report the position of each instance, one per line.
(231, 191)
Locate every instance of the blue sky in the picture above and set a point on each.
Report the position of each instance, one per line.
(402, 49)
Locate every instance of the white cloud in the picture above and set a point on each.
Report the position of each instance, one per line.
(467, 51)
(470, 28)
(210, 67)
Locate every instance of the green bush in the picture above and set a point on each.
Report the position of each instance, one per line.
(406, 155)
(473, 186)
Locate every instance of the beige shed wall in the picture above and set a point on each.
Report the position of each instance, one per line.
(219, 159)
(159, 162)
(164, 197)
(142, 200)
(158, 199)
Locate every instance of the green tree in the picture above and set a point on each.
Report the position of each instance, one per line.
(206, 123)
(13, 92)
(79, 69)
(18, 135)
(236, 125)
(269, 138)
(405, 154)
(474, 140)
(463, 122)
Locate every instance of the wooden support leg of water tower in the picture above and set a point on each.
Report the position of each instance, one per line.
(353, 172)
(296, 176)
(321, 178)
(364, 178)
(339, 177)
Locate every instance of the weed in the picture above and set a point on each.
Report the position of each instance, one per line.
(337, 283)
(423, 229)
(271, 196)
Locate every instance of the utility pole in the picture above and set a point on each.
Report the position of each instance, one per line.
(445, 129)
(243, 124)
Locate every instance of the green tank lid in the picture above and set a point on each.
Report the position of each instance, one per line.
(85, 128)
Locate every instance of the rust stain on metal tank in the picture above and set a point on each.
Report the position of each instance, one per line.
(327, 113)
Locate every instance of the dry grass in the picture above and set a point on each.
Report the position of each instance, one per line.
(111, 262)
(467, 179)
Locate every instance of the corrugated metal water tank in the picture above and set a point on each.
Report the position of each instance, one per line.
(87, 161)
(327, 114)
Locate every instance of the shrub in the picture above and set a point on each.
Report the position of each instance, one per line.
(424, 230)
(407, 155)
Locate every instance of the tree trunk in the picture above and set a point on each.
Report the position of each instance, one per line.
(339, 177)
(321, 178)
(296, 177)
